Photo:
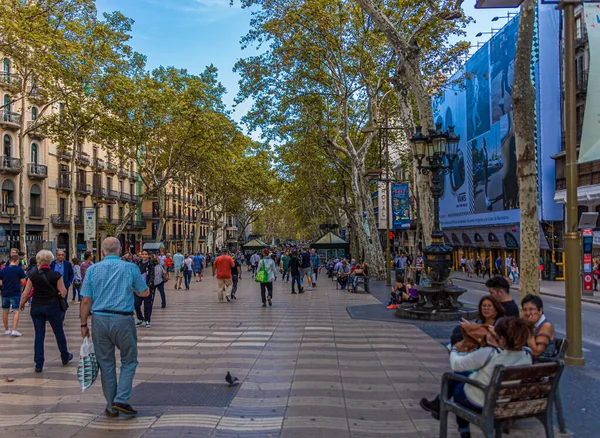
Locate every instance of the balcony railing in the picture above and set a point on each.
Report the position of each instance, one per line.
(63, 184)
(11, 119)
(134, 198)
(10, 78)
(10, 164)
(148, 215)
(125, 197)
(582, 82)
(59, 220)
(136, 225)
(65, 154)
(123, 173)
(203, 220)
(83, 188)
(112, 194)
(37, 171)
(83, 158)
(99, 164)
(98, 192)
(36, 212)
(33, 126)
(134, 175)
(148, 237)
(110, 168)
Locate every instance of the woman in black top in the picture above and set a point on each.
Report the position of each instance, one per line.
(48, 286)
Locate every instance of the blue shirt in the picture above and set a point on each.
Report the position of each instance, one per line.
(111, 285)
(316, 260)
(60, 268)
(11, 280)
(198, 260)
(305, 257)
(177, 261)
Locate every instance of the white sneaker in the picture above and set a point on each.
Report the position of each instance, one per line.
(310, 288)
(16, 334)
(8, 332)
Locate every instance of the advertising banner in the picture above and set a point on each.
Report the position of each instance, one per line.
(89, 224)
(383, 203)
(400, 206)
(482, 189)
(590, 136)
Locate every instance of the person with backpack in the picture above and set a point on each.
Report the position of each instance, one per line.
(148, 271)
(268, 265)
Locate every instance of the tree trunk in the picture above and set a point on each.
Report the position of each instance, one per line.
(72, 198)
(162, 213)
(23, 213)
(524, 125)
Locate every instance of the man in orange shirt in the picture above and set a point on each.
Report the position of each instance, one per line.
(222, 266)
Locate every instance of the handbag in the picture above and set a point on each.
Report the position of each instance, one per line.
(262, 276)
(62, 302)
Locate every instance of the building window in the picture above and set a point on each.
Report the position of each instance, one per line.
(8, 193)
(131, 189)
(7, 152)
(34, 153)
(34, 113)
(7, 106)
(109, 212)
(35, 200)
(121, 213)
(80, 209)
(6, 65)
(109, 183)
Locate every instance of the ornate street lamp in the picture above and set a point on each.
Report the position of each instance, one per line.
(11, 210)
(438, 299)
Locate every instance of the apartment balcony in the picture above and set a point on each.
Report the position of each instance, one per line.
(150, 215)
(134, 176)
(36, 213)
(112, 194)
(203, 220)
(63, 184)
(202, 238)
(174, 237)
(10, 79)
(36, 93)
(4, 210)
(148, 237)
(134, 199)
(110, 168)
(64, 221)
(125, 197)
(65, 155)
(105, 222)
(33, 126)
(83, 158)
(83, 188)
(581, 84)
(10, 120)
(10, 165)
(99, 164)
(37, 171)
(122, 173)
(136, 225)
(98, 192)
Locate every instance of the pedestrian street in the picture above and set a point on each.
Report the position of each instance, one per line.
(306, 370)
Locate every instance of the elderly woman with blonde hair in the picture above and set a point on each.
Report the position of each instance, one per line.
(48, 287)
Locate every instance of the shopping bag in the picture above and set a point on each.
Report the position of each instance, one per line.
(87, 370)
(262, 276)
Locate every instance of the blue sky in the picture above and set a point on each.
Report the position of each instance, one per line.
(192, 34)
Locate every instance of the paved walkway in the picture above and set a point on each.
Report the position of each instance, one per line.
(550, 288)
(307, 370)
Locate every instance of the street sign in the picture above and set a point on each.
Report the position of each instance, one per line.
(89, 225)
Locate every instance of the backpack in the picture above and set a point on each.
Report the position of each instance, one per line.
(150, 274)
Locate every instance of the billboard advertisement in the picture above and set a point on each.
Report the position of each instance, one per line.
(482, 188)
(400, 206)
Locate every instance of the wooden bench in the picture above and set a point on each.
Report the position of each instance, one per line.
(513, 392)
(562, 345)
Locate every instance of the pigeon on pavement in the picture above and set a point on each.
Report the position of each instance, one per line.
(232, 380)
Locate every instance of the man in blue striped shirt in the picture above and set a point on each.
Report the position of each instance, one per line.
(108, 291)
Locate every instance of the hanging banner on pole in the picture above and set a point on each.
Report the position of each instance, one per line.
(400, 206)
(89, 225)
(590, 137)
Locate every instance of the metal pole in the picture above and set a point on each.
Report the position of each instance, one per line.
(10, 223)
(97, 253)
(572, 243)
(388, 274)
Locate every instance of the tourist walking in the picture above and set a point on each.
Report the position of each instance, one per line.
(84, 266)
(268, 264)
(285, 267)
(76, 279)
(514, 271)
(47, 285)
(10, 281)
(188, 270)
(306, 267)
(316, 265)
(254, 259)
(236, 274)
(470, 268)
(108, 290)
(169, 266)
(198, 266)
(178, 259)
(148, 270)
(222, 268)
(64, 268)
(296, 270)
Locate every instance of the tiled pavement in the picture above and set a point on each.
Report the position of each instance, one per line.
(307, 370)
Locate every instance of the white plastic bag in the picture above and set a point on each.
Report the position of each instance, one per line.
(87, 370)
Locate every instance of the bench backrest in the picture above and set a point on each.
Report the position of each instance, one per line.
(523, 391)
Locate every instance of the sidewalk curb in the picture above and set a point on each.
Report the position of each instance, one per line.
(549, 294)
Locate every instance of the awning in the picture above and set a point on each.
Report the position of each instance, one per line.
(508, 237)
(35, 190)
(466, 240)
(153, 246)
(455, 240)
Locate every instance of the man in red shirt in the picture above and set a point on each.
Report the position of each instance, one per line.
(222, 266)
